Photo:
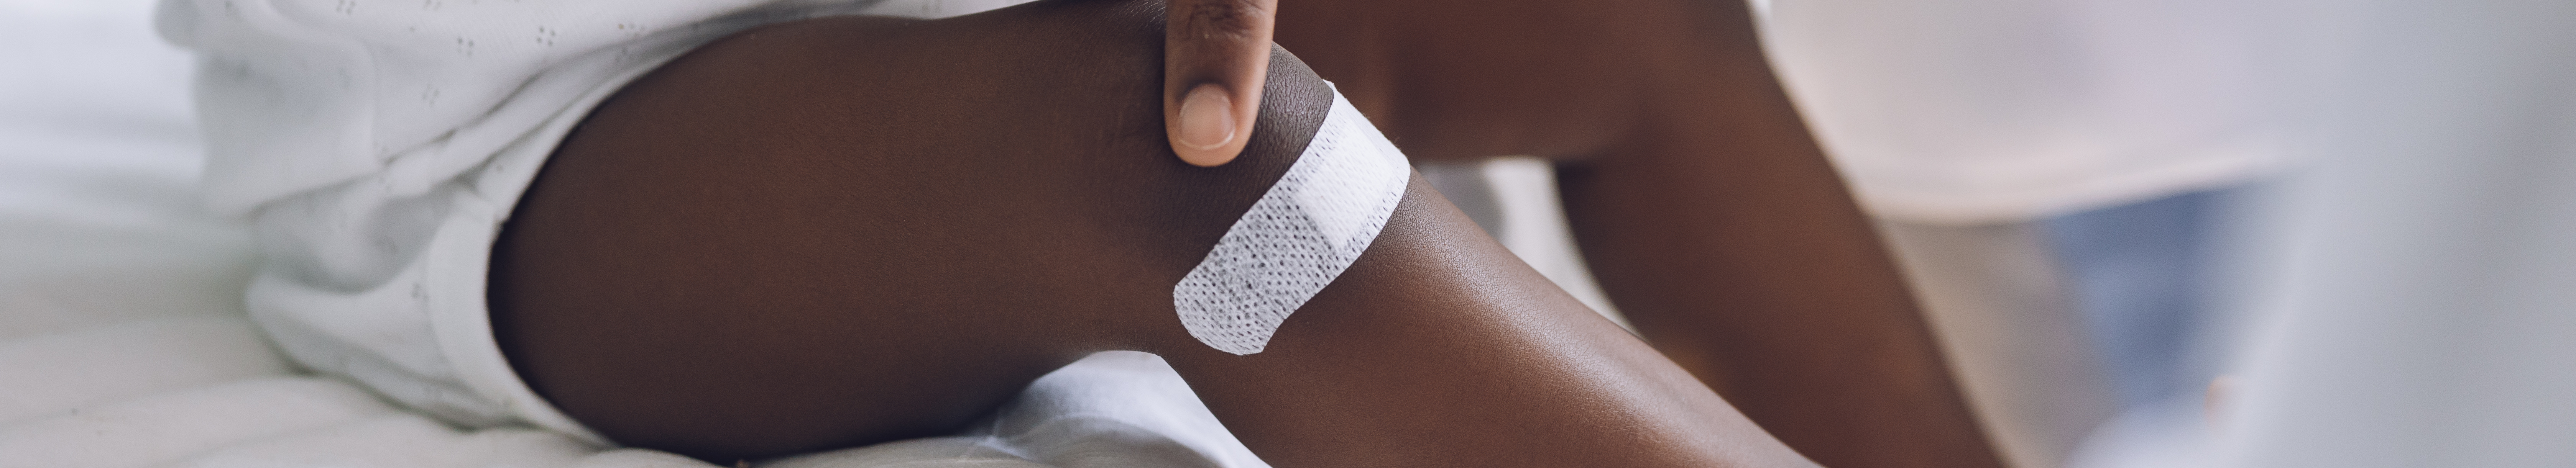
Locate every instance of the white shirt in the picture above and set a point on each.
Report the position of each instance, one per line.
(1983, 111)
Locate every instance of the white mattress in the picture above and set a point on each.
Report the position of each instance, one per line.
(122, 340)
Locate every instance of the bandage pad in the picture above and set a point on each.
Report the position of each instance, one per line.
(1297, 238)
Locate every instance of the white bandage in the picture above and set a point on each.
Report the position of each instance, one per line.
(1297, 238)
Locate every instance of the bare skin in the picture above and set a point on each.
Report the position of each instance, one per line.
(702, 225)
(1707, 212)
(843, 231)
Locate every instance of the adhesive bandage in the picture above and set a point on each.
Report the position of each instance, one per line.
(1302, 233)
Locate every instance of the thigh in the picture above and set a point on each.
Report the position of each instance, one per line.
(840, 231)
(844, 231)
(1707, 212)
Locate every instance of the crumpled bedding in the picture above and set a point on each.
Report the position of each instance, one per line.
(123, 342)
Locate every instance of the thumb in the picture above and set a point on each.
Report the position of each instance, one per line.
(1215, 56)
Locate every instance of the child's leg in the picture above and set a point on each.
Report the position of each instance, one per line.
(1708, 214)
(844, 231)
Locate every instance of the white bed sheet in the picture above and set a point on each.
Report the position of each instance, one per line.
(123, 342)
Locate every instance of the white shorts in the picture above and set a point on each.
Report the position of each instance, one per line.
(378, 147)
(423, 335)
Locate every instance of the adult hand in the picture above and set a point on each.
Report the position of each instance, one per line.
(1215, 53)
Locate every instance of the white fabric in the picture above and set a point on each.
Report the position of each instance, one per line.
(377, 147)
(1297, 238)
(2419, 300)
(1982, 111)
(123, 342)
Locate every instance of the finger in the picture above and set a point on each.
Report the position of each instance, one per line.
(1215, 55)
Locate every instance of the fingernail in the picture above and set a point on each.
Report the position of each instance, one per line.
(1207, 118)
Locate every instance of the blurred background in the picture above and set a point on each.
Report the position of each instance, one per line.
(2190, 233)
(2168, 233)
